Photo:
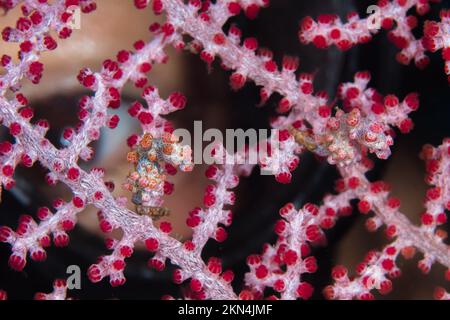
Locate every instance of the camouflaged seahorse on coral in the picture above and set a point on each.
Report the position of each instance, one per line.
(146, 182)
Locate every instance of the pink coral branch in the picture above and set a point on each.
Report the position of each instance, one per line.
(441, 294)
(33, 238)
(206, 29)
(437, 37)
(59, 292)
(373, 272)
(375, 196)
(290, 251)
(296, 231)
(83, 183)
(107, 85)
(10, 157)
(364, 125)
(33, 34)
(217, 197)
(87, 184)
(330, 30)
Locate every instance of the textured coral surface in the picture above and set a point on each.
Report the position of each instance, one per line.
(361, 128)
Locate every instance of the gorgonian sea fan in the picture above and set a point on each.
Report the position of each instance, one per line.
(307, 122)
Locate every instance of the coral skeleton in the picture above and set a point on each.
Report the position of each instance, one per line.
(345, 134)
